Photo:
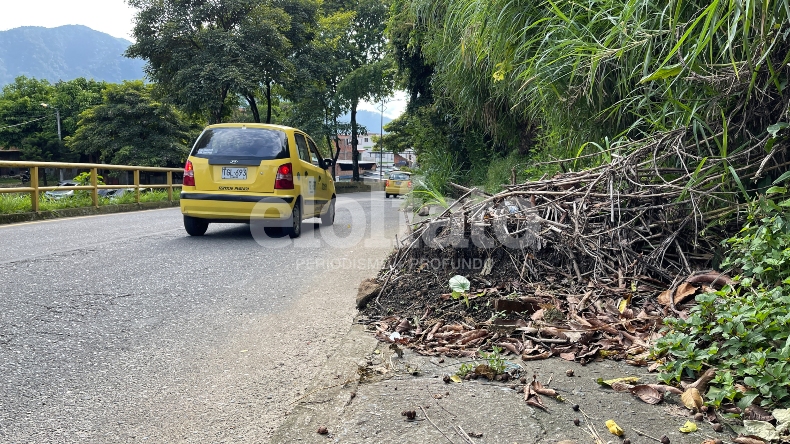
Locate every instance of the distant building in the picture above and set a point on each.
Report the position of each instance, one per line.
(364, 143)
(366, 153)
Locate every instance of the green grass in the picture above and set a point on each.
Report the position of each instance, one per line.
(11, 203)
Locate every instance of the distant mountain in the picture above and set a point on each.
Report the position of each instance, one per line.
(65, 53)
(371, 120)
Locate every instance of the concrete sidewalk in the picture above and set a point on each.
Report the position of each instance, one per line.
(362, 392)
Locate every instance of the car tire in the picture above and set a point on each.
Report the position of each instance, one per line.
(295, 230)
(328, 217)
(386, 195)
(195, 226)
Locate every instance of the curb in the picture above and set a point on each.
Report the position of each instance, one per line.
(356, 187)
(83, 211)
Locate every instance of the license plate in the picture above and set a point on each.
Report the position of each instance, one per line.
(397, 183)
(234, 173)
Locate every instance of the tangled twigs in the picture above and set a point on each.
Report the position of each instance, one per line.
(639, 215)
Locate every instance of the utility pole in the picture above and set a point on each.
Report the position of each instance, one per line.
(60, 136)
(381, 138)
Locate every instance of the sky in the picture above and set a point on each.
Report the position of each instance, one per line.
(113, 17)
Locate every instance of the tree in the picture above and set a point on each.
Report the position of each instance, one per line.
(315, 104)
(21, 113)
(370, 81)
(34, 128)
(201, 52)
(364, 50)
(130, 127)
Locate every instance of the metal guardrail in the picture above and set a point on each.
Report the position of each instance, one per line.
(94, 187)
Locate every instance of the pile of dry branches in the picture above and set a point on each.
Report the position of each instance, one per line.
(576, 265)
(656, 213)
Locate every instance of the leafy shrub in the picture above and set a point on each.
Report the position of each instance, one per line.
(742, 330)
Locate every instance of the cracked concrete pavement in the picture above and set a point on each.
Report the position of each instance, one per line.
(383, 385)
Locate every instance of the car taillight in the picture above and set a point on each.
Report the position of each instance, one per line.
(409, 184)
(386, 183)
(285, 177)
(189, 174)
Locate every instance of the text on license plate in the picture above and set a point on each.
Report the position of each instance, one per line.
(234, 173)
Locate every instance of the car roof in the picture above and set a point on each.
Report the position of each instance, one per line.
(254, 125)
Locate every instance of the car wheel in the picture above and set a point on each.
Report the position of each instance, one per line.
(195, 226)
(328, 218)
(295, 230)
(386, 195)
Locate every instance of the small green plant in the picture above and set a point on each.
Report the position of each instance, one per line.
(499, 315)
(465, 369)
(425, 195)
(495, 360)
(742, 329)
(84, 179)
(460, 287)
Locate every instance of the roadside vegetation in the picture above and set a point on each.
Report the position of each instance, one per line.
(742, 328)
(692, 92)
(11, 203)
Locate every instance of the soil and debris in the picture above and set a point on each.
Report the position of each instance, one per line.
(580, 266)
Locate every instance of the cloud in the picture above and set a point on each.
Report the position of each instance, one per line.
(394, 105)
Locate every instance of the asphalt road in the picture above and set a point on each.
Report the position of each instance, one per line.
(122, 328)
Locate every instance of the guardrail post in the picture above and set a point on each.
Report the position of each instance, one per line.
(169, 186)
(34, 196)
(94, 184)
(137, 186)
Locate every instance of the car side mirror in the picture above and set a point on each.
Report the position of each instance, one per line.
(327, 164)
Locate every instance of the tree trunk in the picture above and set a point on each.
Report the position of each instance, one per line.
(256, 116)
(215, 114)
(354, 152)
(268, 102)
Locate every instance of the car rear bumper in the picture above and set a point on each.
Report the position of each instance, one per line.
(241, 207)
(397, 190)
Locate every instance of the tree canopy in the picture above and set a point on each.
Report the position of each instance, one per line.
(27, 124)
(202, 52)
(130, 127)
(562, 79)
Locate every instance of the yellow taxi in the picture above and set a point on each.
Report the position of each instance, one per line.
(399, 183)
(238, 172)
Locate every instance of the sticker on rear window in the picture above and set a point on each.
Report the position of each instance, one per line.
(206, 151)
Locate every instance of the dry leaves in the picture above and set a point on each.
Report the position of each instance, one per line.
(647, 394)
(748, 440)
(613, 428)
(692, 399)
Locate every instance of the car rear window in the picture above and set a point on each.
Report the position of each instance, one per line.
(399, 176)
(241, 142)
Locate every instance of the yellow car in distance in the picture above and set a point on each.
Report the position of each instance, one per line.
(399, 183)
(238, 172)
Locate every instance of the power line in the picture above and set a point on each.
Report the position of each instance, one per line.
(23, 123)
